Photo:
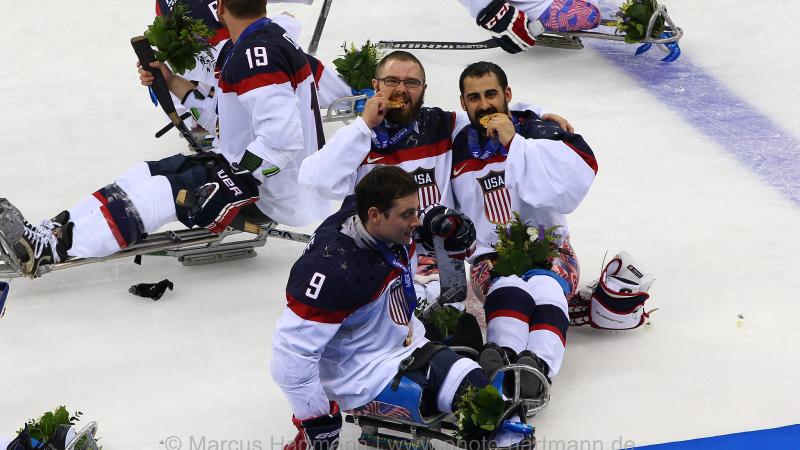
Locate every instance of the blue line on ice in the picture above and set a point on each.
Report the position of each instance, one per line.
(749, 135)
(784, 438)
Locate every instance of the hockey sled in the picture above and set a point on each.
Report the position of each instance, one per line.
(398, 411)
(85, 439)
(64, 436)
(190, 246)
(572, 40)
(344, 109)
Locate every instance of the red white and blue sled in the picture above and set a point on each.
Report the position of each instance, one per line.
(399, 411)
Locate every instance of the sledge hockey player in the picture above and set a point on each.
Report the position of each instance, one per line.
(268, 123)
(394, 129)
(519, 22)
(518, 163)
(508, 161)
(329, 86)
(349, 319)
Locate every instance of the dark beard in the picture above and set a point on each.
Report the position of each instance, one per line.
(475, 120)
(401, 117)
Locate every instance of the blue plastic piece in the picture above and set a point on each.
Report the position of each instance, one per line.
(643, 48)
(360, 104)
(402, 403)
(517, 427)
(153, 97)
(4, 287)
(674, 52)
(673, 47)
(497, 382)
(549, 273)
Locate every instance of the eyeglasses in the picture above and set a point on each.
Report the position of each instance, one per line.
(411, 83)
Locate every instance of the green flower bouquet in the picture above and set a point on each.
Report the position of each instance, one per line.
(634, 17)
(44, 428)
(521, 248)
(179, 38)
(358, 65)
(478, 412)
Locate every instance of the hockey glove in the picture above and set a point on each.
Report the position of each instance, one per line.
(215, 204)
(616, 300)
(457, 230)
(151, 290)
(511, 24)
(317, 433)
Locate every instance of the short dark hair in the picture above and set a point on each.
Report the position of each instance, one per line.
(246, 9)
(399, 55)
(381, 187)
(481, 69)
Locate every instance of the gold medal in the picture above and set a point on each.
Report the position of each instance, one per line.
(409, 336)
(393, 104)
(488, 118)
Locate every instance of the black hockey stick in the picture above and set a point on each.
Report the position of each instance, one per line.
(439, 45)
(323, 16)
(170, 125)
(145, 53)
(547, 39)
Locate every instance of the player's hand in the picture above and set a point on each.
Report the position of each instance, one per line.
(562, 122)
(510, 23)
(502, 128)
(146, 78)
(456, 228)
(317, 433)
(216, 204)
(375, 109)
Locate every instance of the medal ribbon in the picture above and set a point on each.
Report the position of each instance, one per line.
(493, 145)
(382, 139)
(407, 279)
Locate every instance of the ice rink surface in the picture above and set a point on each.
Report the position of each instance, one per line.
(718, 230)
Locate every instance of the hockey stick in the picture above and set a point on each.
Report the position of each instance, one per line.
(170, 125)
(548, 39)
(323, 16)
(145, 53)
(438, 45)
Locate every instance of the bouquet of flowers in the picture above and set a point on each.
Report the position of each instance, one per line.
(521, 248)
(179, 39)
(440, 322)
(357, 66)
(42, 432)
(478, 412)
(634, 17)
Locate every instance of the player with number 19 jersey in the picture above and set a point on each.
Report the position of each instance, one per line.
(266, 104)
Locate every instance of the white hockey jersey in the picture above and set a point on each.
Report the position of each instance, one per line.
(341, 336)
(351, 154)
(266, 102)
(544, 176)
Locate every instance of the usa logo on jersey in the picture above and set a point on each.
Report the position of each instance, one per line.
(496, 198)
(428, 190)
